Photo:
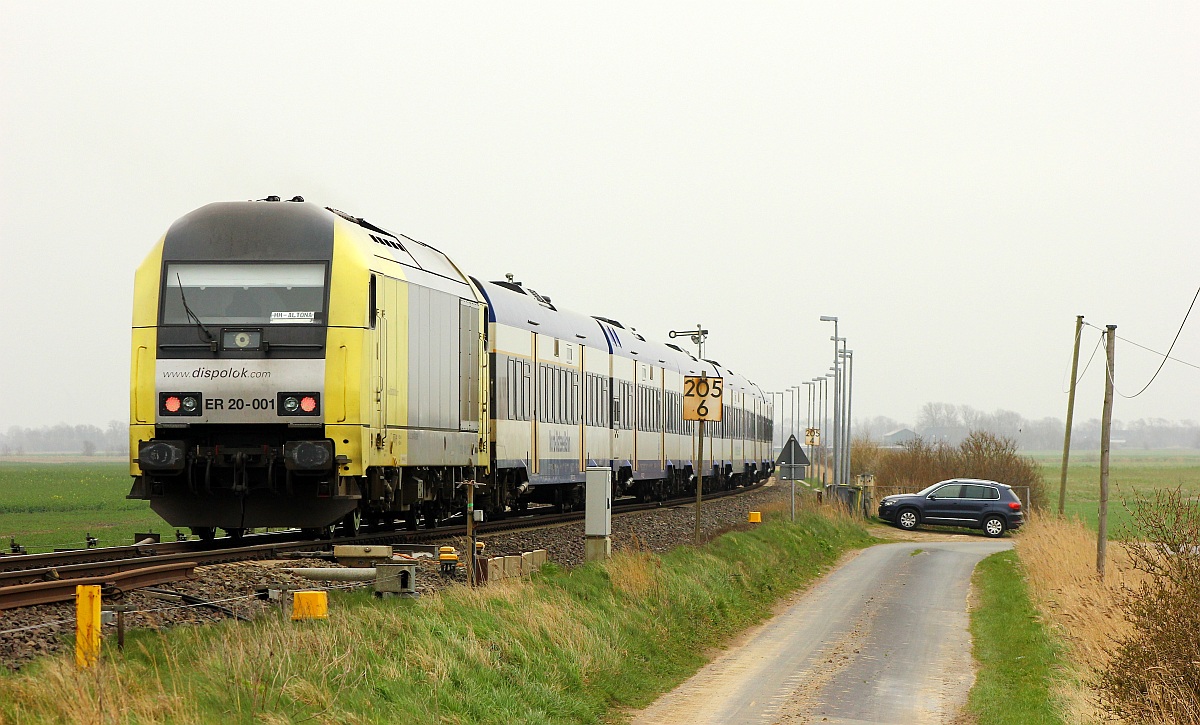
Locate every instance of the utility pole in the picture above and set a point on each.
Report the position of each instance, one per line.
(1062, 484)
(1110, 345)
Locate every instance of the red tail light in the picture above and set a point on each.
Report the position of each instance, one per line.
(1014, 505)
(308, 404)
(171, 404)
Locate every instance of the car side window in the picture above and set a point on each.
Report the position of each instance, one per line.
(976, 491)
(953, 490)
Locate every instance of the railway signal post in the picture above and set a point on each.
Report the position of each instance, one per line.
(702, 402)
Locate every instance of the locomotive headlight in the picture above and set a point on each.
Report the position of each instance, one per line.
(171, 404)
(300, 404)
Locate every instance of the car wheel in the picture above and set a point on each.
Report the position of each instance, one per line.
(993, 526)
(908, 519)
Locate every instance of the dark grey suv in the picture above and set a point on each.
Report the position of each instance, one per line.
(972, 502)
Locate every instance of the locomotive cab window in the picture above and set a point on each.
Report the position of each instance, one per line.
(244, 294)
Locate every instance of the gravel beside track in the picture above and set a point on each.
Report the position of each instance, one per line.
(35, 631)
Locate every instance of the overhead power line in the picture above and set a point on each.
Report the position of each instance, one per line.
(1165, 356)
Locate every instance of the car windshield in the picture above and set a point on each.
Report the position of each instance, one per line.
(244, 294)
(928, 489)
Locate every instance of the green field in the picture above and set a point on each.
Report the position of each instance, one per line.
(1131, 472)
(52, 505)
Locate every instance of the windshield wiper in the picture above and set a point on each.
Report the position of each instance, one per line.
(212, 342)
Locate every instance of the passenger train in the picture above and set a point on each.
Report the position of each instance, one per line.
(297, 366)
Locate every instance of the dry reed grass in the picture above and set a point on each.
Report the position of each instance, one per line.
(1059, 559)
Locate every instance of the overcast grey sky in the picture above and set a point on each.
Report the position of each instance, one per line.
(955, 181)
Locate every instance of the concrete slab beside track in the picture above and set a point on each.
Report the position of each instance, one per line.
(882, 639)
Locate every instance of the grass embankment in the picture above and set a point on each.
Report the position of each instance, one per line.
(55, 505)
(1131, 473)
(1018, 659)
(567, 646)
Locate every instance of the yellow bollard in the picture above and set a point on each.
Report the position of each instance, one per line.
(756, 517)
(87, 625)
(310, 605)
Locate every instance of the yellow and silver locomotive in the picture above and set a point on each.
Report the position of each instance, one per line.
(296, 366)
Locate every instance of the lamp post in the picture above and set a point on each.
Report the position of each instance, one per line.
(808, 417)
(783, 412)
(827, 451)
(839, 407)
(849, 355)
(796, 407)
(822, 414)
(836, 391)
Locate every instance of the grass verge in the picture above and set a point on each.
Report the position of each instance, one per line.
(44, 506)
(577, 645)
(1018, 659)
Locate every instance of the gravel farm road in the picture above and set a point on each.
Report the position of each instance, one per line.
(881, 639)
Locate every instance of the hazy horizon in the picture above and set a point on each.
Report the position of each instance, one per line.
(954, 181)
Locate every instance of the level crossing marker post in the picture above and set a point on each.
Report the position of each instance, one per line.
(702, 402)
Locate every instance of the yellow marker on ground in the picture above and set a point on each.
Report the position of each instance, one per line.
(310, 605)
(87, 625)
(756, 517)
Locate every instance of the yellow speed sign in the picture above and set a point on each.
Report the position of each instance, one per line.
(702, 398)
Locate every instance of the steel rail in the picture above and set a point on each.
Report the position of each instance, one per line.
(143, 558)
(62, 590)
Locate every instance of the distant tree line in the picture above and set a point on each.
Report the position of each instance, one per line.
(88, 440)
(951, 424)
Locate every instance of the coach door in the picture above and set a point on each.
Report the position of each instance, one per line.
(378, 419)
(539, 390)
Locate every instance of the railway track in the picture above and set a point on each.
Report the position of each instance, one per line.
(31, 579)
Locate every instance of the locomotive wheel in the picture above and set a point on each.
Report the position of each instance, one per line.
(205, 533)
(410, 519)
(235, 534)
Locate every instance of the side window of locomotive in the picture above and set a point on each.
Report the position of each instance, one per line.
(244, 294)
(372, 305)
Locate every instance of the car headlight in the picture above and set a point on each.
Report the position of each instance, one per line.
(887, 503)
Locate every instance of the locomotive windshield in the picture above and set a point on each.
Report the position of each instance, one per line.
(244, 294)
